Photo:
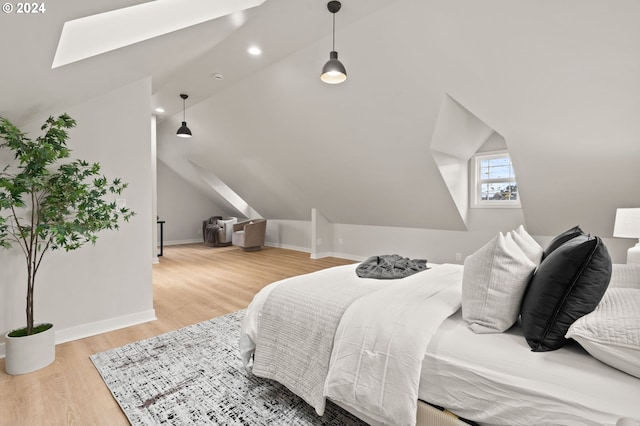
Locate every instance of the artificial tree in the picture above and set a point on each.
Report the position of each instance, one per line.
(48, 202)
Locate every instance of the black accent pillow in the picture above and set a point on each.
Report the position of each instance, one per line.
(568, 284)
(561, 239)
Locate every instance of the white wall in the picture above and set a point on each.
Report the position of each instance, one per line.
(154, 190)
(321, 235)
(106, 286)
(183, 207)
(358, 242)
(289, 234)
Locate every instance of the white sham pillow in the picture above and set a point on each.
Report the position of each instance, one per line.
(625, 276)
(611, 333)
(529, 246)
(494, 280)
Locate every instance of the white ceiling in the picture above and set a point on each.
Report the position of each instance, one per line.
(89, 36)
(181, 61)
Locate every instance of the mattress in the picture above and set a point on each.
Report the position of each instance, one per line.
(495, 379)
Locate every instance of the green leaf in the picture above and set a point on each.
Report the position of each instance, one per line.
(67, 198)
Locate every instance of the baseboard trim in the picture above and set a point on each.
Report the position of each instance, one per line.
(287, 246)
(178, 242)
(321, 255)
(349, 256)
(267, 243)
(98, 327)
(284, 246)
(338, 255)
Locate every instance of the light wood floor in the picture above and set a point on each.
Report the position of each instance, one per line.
(191, 284)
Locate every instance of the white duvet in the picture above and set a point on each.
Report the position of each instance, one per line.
(381, 339)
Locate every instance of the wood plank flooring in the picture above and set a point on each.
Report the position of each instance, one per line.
(192, 283)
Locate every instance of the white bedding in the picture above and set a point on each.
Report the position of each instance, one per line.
(468, 373)
(378, 336)
(381, 340)
(298, 322)
(249, 327)
(494, 379)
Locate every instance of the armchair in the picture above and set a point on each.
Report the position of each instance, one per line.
(250, 234)
(217, 231)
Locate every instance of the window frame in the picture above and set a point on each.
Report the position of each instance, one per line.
(476, 183)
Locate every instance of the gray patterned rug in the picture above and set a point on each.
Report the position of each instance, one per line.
(195, 376)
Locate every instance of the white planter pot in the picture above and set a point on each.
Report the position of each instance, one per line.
(29, 353)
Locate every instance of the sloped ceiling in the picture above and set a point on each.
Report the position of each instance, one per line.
(30, 87)
(558, 80)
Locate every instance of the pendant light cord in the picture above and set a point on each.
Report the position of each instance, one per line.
(334, 32)
(184, 112)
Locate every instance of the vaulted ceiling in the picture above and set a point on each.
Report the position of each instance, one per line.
(558, 80)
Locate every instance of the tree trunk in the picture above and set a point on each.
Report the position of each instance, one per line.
(31, 276)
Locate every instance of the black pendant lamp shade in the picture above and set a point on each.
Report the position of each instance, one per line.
(184, 131)
(333, 71)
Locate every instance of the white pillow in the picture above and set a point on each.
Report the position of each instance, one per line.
(529, 246)
(625, 276)
(611, 333)
(494, 280)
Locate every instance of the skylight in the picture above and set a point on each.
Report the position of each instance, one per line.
(92, 35)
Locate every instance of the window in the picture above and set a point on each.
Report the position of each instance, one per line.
(494, 181)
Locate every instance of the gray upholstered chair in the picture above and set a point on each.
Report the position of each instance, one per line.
(217, 231)
(249, 235)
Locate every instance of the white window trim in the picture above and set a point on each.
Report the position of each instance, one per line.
(474, 193)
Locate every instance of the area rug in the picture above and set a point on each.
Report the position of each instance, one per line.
(195, 376)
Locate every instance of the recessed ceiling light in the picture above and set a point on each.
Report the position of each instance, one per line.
(254, 50)
(159, 110)
(217, 76)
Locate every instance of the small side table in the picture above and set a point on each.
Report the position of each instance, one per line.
(161, 223)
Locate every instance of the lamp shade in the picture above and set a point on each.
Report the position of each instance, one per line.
(183, 131)
(333, 71)
(627, 223)
(628, 226)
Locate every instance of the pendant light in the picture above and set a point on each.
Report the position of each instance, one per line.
(333, 71)
(183, 131)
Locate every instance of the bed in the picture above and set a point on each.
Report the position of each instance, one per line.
(381, 348)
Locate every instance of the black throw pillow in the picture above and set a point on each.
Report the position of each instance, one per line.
(561, 239)
(568, 284)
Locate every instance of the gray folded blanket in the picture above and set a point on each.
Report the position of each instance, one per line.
(390, 267)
